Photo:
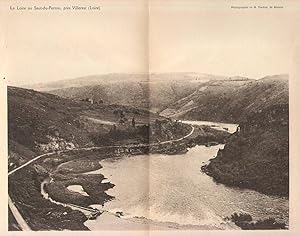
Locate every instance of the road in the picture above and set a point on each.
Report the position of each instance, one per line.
(29, 162)
(24, 226)
(176, 140)
(22, 223)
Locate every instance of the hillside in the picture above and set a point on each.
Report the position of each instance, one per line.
(260, 105)
(257, 155)
(45, 123)
(38, 122)
(90, 80)
(189, 96)
(155, 91)
(230, 100)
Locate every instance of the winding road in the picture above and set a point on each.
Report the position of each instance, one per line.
(16, 213)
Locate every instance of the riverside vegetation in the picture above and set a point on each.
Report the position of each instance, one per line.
(256, 156)
(245, 221)
(55, 128)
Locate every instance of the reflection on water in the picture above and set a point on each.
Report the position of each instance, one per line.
(230, 128)
(172, 189)
(77, 189)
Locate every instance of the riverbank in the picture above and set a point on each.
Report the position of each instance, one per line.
(176, 195)
(68, 169)
(24, 189)
(25, 186)
(110, 221)
(82, 168)
(256, 158)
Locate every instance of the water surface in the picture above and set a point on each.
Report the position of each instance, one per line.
(230, 128)
(171, 189)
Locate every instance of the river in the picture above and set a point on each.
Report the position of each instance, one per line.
(170, 191)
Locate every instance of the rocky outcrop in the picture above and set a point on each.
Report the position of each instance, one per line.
(246, 222)
(257, 155)
(55, 144)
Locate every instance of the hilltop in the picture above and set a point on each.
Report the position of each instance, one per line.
(230, 100)
(256, 156)
(155, 91)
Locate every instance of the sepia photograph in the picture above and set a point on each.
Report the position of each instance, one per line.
(148, 115)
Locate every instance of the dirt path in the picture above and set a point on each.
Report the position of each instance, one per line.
(104, 122)
(20, 220)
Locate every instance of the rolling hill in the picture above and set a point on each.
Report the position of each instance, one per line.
(154, 91)
(40, 121)
(230, 100)
(257, 157)
(45, 123)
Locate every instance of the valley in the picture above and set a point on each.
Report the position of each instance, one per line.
(76, 127)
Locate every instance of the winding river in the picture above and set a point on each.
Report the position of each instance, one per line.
(170, 191)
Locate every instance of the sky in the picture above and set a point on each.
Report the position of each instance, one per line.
(128, 37)
(213, 38)
(45, 46)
